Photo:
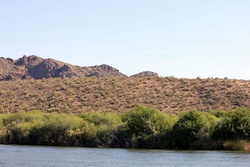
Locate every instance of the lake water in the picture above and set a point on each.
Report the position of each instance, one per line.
(39, 156)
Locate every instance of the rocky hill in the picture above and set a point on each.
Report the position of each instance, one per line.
(34, 67)
(34, 83)
(146, 74)
(169, 94)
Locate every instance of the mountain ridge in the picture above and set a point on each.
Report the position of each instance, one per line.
(48, 85)
(34, 67)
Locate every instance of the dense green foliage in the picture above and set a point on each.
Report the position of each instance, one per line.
(193, 126)
(145, 126)
(140, 127)
(234, 125)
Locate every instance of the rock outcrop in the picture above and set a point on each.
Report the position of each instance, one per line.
(146, 74)
(34, 67)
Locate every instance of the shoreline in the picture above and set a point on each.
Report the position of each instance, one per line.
(134, 148)
(141, 127)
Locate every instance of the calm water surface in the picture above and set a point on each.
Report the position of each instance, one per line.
(38, 156)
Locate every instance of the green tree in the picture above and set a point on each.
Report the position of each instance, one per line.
(20, 125)
(192, 126)
(235, 125)
(104, 126)
(145, 125)
(60, 129)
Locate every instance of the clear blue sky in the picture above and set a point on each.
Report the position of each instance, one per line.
(181, 38)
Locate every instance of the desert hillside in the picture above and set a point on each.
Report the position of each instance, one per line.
(121, 93)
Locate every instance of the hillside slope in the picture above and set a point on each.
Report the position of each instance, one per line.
(168, 94)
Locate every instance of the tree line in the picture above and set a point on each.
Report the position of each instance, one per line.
(141, 127)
